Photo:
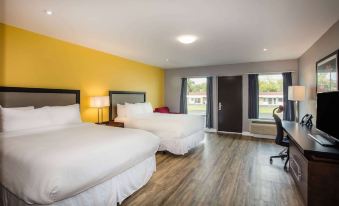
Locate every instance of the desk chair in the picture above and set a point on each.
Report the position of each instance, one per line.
(280, 139)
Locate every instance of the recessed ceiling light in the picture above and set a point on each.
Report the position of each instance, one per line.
(265, 49)
(167, 60)
(187, 39)
(49, 12)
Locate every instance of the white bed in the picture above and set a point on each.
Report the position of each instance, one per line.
(74, 164)
(178, 132)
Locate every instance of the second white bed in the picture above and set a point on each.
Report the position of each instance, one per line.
(178, 132)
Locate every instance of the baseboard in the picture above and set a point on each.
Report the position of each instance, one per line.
(245, 133)
(212, 130)
(263, 136)
(224, 132)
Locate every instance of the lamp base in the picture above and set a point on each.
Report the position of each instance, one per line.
(296, 111)
(98, 121)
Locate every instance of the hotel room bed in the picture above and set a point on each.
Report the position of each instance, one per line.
(178, 132)
(48, 165)
(72, 164)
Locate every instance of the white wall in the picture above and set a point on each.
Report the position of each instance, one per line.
(327, 44)
(173, 80)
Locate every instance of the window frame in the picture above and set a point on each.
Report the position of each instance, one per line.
(269, 100)
(201, 102)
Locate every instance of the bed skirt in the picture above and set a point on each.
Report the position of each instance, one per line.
(110, 192)
(181, 146)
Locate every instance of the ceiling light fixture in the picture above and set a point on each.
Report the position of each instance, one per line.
(49, 12)
(187, 39)
(265, 49)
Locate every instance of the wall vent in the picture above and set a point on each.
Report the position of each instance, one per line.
(263, 127)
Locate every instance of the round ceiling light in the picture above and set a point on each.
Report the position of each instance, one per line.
(187, 39)
(49, 12)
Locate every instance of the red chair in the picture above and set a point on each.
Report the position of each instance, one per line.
(164, 110)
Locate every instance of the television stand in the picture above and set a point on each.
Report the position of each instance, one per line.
(313, 167)
(322, 140)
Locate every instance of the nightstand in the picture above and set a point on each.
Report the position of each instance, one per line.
(113, 124)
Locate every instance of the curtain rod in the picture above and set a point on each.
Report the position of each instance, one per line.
(214, 75)
(271, 72)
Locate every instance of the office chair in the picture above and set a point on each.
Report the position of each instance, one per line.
(280, 139)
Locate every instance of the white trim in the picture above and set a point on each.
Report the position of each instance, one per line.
(261, 136)
(263, 121)
(224, 132)
(210, 130)
(327, 60)
(245, 133)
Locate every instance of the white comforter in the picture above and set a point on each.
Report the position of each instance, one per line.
(51, 164)
(166, 126)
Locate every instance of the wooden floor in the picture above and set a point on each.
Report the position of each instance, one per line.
(225, 170)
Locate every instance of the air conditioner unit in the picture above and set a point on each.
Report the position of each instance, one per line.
(263, 127)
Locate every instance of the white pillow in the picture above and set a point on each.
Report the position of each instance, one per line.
(14, 119)
(145, 107)
(133, 109)
(121, 110)
(138, 109)
(64, 114)
(148, 107)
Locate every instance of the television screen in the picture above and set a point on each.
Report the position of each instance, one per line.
(328, 113)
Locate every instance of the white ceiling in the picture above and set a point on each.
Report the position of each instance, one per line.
(229, 31)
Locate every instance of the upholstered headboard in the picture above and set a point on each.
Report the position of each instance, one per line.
(121, 97)
(37, 97)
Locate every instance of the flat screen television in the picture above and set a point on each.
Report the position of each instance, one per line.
(328, 113)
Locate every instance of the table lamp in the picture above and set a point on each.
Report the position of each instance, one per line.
(296, 94)
(99, 102)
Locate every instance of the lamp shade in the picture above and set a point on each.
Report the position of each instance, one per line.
(99, 101)
(296, 93)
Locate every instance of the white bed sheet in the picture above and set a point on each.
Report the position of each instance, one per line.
(178, 132)
(183, 145)
(165, 126)
(52, 164)
(108, 193)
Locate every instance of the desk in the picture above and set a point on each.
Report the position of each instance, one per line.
(314, 168)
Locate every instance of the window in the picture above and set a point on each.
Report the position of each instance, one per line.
(270, 94)
(196, 95)
(197, 100)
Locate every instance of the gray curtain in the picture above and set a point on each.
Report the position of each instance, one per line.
(183, 96)
(288, 105)
(209, 106)
(253, 96)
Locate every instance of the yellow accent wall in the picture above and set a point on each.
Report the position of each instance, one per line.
(28, 59)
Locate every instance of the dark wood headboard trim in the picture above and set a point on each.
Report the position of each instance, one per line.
(42, 90)
(121, 92)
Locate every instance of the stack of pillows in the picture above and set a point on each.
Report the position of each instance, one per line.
(131, 110)
(20, 118)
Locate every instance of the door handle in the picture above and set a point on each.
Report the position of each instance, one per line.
(219, 106)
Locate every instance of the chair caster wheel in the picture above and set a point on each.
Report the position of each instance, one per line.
(271, 161)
